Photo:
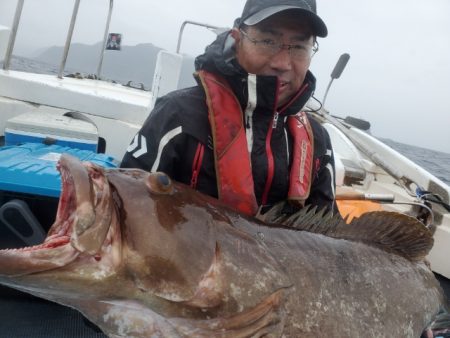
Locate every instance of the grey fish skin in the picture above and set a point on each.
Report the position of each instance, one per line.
(142, 256)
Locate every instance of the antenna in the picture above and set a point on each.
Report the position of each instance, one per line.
(336, 73)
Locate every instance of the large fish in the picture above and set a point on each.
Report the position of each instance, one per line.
(142, 256)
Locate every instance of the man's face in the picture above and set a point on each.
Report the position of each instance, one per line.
(288, 66)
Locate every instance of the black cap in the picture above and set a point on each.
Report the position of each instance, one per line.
(257, 10)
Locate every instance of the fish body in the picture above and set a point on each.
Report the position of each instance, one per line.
(142, 256)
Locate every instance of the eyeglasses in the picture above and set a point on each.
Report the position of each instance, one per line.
(271, 47)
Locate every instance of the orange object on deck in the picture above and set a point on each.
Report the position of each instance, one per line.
(355, 208)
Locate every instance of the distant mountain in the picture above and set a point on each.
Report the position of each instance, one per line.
(132, 63)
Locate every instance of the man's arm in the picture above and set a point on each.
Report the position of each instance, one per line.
(154, 147)
(169, 139)
(323, 188)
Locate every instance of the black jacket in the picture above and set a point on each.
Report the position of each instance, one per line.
(179, 121)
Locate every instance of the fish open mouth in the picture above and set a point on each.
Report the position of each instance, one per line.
(81, 224)
(59, 233)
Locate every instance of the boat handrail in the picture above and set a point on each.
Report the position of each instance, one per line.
(215, 29)
(68, 39)
(15, 26)
(105, 39)
(12, 37)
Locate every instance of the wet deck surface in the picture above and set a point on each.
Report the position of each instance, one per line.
(22, 315)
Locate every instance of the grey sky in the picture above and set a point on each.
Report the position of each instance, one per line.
(398, 76)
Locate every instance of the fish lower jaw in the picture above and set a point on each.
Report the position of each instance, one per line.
(50, 243)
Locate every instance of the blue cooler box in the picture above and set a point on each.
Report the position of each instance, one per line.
(51, 128)
(31, 167)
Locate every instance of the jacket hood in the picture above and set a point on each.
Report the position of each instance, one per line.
(220, 58)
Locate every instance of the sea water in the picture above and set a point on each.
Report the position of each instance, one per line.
(436, 162)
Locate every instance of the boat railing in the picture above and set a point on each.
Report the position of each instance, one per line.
(12, 36)
(216, 29)
(15, 27)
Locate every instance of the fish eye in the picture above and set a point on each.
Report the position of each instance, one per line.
(159, 183)
(164, 180)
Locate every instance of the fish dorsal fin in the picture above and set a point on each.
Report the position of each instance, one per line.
(390, 231)
(306, 219)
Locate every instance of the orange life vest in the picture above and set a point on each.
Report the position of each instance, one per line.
(232, 160)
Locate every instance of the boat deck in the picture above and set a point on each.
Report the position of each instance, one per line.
(23, 315)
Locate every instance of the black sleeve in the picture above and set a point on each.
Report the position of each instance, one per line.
(169, 137)
(323, 186)
(153, 147)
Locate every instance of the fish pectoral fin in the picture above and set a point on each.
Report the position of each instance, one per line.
(210, 290)
(265, 319)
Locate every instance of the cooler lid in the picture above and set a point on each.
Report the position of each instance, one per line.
(52, 124)
(31, 167)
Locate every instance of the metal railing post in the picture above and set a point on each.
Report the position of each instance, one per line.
(105, 39)
(216, 29)
(12, 37)
(69, 39)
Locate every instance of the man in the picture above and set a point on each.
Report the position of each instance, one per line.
(240, 135)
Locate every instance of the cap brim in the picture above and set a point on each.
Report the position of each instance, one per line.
(318, 26)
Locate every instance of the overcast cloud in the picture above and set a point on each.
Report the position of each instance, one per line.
(398, 76)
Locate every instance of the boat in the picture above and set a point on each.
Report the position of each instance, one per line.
(42, 116)
(370, 176)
